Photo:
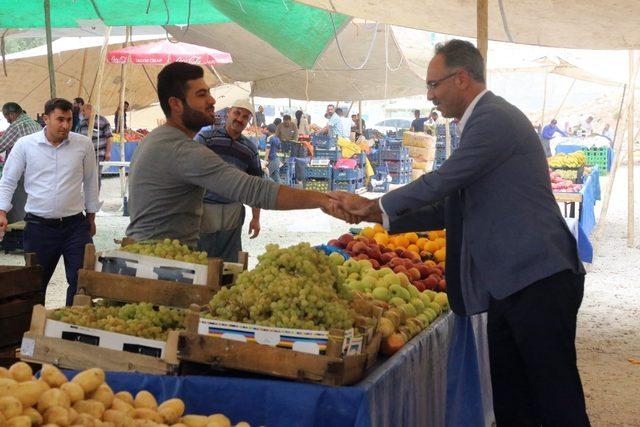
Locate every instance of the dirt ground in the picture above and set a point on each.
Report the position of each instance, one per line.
(608, 323)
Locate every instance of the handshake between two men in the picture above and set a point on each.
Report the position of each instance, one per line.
(352, 208)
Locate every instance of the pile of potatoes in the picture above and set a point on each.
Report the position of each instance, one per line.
(86, 401)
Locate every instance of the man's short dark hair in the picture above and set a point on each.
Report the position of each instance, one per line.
(78, 100)
(271, 128)
(416, 112)
(286, 117)
(172, 82)
(434, 113)
(57, 104)
(462, 54)
(554, 121)
(12, 107)
(338, 111)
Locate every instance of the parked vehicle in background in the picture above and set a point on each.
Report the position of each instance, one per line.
(392, 125)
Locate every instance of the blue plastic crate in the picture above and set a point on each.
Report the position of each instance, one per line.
(333, 155)
(400, 154)
(324, 142)
(322, 185)
(400, 165)
(321, 172)
(343, 174)
(350, 186)
(400, 178)
(361, 159)
(383, 188)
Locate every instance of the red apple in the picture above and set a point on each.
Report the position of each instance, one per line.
(401, 269)
(360, 248)
(386, 257)
(345, 239)
(375, 264)
(419, 284)
(361, 256)
(374, 253)
(385, 249)
(349, 246)
(399, 251)
(424, 270)
(442, 285)
(336, 243)
(430, 282)
(414, 273)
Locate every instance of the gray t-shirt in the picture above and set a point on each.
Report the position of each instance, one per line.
(168, 175)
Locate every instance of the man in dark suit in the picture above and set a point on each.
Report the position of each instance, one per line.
(509, 251)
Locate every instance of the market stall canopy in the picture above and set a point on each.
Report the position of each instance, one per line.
(166, 52)
(27, 82)
(362, 61)
(581, 24)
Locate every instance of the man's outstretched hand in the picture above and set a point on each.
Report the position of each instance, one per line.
(355, 207)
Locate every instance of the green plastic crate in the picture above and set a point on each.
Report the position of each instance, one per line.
(598, 156)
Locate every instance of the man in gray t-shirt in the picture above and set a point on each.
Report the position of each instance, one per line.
(169, 171)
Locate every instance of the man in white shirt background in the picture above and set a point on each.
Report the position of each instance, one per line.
(60, 178)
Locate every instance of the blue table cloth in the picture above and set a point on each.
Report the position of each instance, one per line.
(408, 389)
(129, 149)
(590, 195)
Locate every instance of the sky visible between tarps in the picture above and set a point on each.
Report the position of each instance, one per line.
(299, 32)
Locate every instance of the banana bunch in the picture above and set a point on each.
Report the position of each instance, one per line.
(563, 160)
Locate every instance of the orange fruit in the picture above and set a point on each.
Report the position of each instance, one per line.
(368, 232)
(433, 235)
(440, 255)
(430, 263)
(391, 246)
(411, 237)
(421, 242)
(381, 238)
(442, 233)
(402, 241)
(441, 242)
(431, 246)
(379, 228)
(413, 248)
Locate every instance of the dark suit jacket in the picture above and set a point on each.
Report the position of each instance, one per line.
(504, 228)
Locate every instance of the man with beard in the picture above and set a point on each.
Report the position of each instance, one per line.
(222, 220)
(170, 172)
(509, 251)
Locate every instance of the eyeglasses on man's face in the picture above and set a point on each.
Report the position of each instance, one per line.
(432, 84)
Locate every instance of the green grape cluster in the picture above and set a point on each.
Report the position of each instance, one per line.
(140, 320)
(169, 249)
(296, 287)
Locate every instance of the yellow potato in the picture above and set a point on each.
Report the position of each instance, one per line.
(73, 414)
(20, 371)
(2, 418)
(179, 425)
(10, 406)
(36, 417)
(52, 375)
(91, 407)
(119, 405)
(140, 422)
(125, 396)
(53, 397)
(89, 379)
(57, 415)
(219, 420)
(144, 399)
(85, 420)
(169, 415)
(7, 385)
(147, 414)
(4, 372)
(28, 392)
(106, 424)
(195, 420)
(176, 404)
(243, 424)
(19, 421)
(118, 418)
(73, 390)
(103, 394)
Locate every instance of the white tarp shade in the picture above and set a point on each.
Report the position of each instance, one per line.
(385, 74)
(27, 80)
(582, 24)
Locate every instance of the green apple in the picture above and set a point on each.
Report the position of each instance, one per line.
(369, 282)
(419, 305)
(413, 291)
(336, 258)
(384, 271)
(386, 327)
(365, 265)
(411, 310)
(429, 292)
(424, 297)
(373, 273)
(404, 279)
(431, 313)
(436, 307)
(393, 316)
(353, 276)
(381, 293)
(442, 299)
(399, 291)
(352, 265)
(396, 301)
(358, 285)
(424, 319)
(392, 279)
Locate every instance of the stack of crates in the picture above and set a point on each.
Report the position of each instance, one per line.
(348, 179)
(288, 172)
(323, 142)
(333, 154)
(398, 162)
(441, 143)
(379, 182)
(318, 177)
(598, 156)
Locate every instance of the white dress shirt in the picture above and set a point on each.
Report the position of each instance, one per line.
(59, 181)
(459, 128)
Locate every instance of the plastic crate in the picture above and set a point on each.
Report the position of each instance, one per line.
(597, 156)
(361, 159)
(400, 165)
(332, 155)
(321, 172)
(400, 178)
(322, 185)
(350, 186)
(323, 142)
(348, 174)
(383, 188)
(399, 154)
(392, 144)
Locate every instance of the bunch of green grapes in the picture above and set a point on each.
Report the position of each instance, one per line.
(140, 320)
(169, 249)
(295, 287)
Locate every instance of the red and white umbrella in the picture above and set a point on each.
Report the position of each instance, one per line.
(166, 52)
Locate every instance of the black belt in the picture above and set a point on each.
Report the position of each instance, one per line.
(57, 222)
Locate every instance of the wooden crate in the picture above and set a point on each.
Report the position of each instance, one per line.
(38, 348)
(330, 368)
(96, 284)
(20, 289)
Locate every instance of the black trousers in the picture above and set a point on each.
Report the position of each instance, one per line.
(532, 354)
(50, 242)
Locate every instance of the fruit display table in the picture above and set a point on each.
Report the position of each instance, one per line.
(409, 388)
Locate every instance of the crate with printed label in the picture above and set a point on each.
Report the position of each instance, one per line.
(132, 277)
(77, 347)
(333, 357)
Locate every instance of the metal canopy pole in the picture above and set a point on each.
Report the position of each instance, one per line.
(482, 31)
(47, 23)
(630, 164)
